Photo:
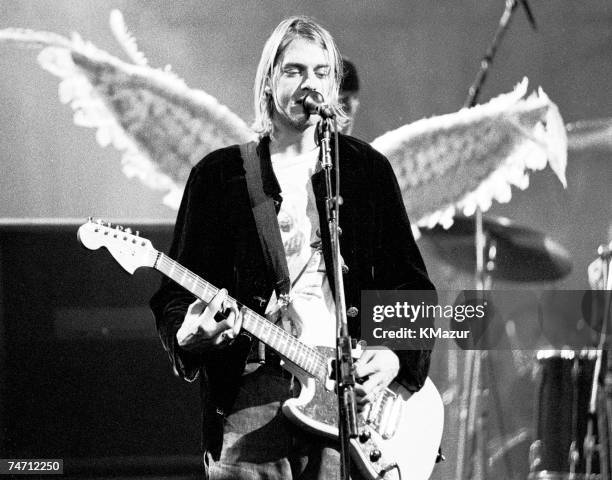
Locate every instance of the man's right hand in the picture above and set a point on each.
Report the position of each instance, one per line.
(200, 331)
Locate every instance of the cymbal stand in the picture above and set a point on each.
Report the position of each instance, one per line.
(473, 359)
(605, 253)
(475, 396)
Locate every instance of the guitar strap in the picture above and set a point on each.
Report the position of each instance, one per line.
(258, 165)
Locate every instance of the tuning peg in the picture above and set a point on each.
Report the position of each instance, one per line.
(119, 227)
(137, 233)
(128, 230)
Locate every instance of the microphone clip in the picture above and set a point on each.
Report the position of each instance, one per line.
(314, 104)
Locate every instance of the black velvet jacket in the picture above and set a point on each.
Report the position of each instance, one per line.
(215, 236)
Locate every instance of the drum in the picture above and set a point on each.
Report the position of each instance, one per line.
(562, 403)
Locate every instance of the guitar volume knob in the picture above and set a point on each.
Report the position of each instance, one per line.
(375, 455)
(364, 436)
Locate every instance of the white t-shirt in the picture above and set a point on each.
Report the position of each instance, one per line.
(311, 314)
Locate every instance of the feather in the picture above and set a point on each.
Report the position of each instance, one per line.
(33, 38)
(161, 125)
(468, 159)
(125, 39)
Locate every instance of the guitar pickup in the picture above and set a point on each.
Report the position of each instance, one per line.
(385, 413)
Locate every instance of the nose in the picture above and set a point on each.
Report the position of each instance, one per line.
(309, 81)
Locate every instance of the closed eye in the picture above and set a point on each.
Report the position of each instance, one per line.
(291, 72)
(322, 72)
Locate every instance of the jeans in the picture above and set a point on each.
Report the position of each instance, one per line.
(260, 443)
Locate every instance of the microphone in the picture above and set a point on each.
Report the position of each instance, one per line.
(314, 104)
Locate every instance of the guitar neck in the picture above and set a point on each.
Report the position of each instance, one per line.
(304, 356)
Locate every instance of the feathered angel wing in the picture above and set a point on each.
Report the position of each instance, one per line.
(469, 158)
(455, 161)
(162, 126)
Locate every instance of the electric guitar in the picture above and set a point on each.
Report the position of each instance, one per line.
(400, 431)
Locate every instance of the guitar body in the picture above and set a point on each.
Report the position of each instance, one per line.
(404, 428)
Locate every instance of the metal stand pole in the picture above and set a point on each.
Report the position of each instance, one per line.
(595, 401)
(473, 359)
(345, 379)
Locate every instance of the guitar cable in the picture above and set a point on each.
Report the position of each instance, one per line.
(390, 467)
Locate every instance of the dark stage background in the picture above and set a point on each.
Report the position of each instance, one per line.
(86, 376)
(83, 372)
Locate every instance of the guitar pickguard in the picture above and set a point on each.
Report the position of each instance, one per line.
(399, 430)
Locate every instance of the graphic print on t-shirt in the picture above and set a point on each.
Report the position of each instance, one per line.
(310, 315)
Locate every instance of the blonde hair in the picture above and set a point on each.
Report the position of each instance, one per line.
(267, 71)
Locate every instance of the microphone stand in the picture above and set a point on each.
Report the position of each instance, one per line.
(504, 23)
(345, 379)
(470, 420)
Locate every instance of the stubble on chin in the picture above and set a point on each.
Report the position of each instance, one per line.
(300, 124)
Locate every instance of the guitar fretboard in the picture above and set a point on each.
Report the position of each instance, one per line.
(304, 356)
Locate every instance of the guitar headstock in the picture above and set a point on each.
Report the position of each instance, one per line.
(130, 250)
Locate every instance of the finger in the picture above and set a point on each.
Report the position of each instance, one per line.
(224, 337)
(360, 393)
(230, 317)
(219, 327)
(233, 322)
(371, 389)
(369, 386)
(364, 359)
(217, 302)
(196, 308)
(238, 321)
(363, 370)
(227, 336)
(220, 339)
(366, 356)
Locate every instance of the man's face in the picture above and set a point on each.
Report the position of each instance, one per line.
(350, 103)
(303, 66)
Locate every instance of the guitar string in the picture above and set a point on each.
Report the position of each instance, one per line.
(168, 266)
(319, 368)
(182, 275)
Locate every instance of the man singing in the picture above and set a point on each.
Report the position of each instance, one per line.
(218, 235)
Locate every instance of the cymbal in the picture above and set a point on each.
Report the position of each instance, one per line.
(521, 254)
(590, 134)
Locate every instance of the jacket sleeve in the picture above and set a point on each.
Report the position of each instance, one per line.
(196, 246)
(398, 264)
